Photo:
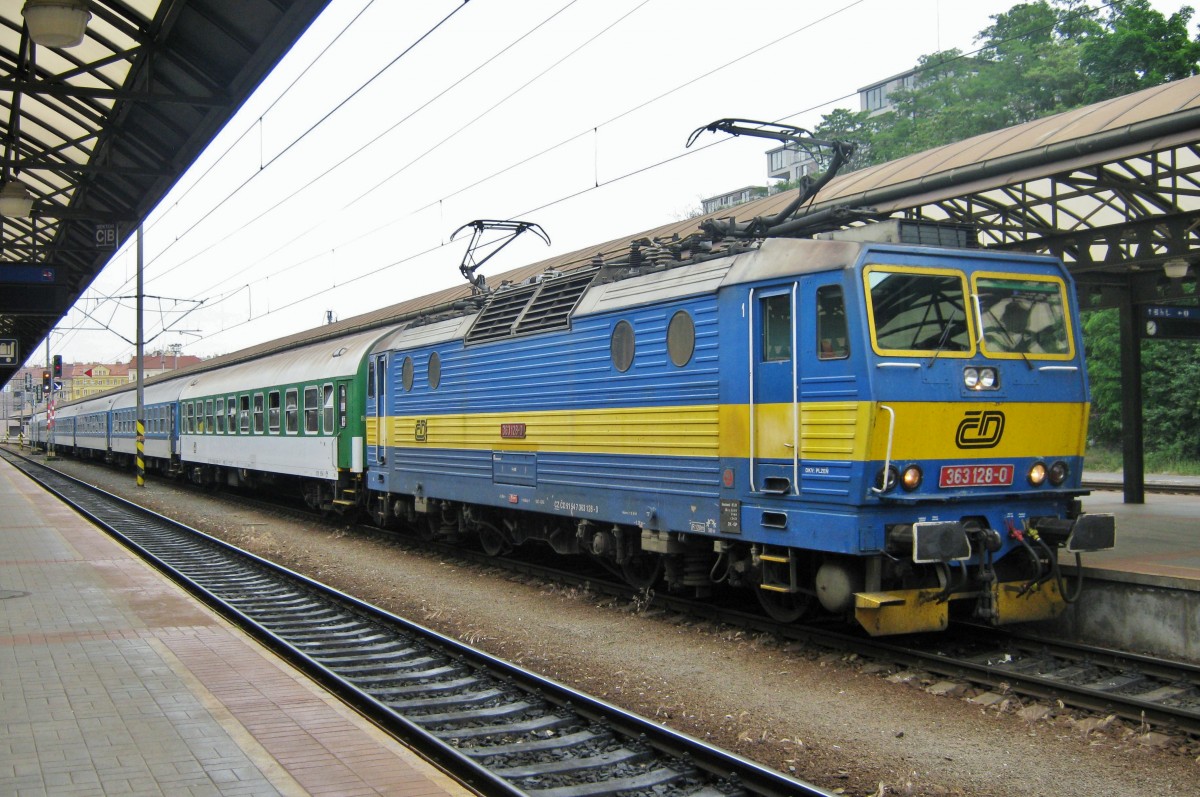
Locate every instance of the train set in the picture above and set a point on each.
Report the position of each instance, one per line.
(893, 433)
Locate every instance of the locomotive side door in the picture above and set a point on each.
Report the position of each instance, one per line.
(774, 376)
(377, 409)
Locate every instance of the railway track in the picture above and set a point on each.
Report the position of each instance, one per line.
(497, 727)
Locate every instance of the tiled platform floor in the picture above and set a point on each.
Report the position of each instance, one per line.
(115, 682)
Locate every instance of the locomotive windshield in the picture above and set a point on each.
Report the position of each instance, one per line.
(918, 311)
(1022, 316)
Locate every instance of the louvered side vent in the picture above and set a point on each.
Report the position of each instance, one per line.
(551, 307)
(497, 318)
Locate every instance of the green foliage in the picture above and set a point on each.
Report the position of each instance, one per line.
(1170, 370)
(1035, 59)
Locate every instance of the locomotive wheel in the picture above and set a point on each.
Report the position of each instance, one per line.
(783, 607)
(642, 570)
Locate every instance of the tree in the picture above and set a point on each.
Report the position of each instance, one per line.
(1139, 49)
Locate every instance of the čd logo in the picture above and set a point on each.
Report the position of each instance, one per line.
(980, 429)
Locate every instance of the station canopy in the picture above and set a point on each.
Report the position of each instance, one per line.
(100, 132)
(97, 133)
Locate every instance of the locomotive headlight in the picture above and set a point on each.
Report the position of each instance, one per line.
(1037, 474)
(980, 378)
(1059, 472)
(911, 478)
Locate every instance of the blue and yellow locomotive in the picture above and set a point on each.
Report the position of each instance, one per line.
(893, 432)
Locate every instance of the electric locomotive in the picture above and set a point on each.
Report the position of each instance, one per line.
(892, 432)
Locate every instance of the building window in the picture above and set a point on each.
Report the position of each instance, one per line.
(874, 98)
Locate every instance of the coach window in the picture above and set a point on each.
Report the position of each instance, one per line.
(220, 415)
(258, 413)
(406, 373)
(231, 411)
(189, 420)
(244, 414)
(290, 416)
(621, 346)
(273, 412)
(208, 417)
(681, 338)
(312, 408)
(327, 404)
(777, 327)
(832, 340)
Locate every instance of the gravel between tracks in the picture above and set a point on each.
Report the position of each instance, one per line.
(829, 719)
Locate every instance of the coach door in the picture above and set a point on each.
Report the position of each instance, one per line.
(774, 412)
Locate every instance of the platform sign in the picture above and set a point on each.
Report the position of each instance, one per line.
(8, 351)
(106, 236)
(1172, 321)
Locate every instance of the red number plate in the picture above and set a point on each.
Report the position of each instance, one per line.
(976, 476)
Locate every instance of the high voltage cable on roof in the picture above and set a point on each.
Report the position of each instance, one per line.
(559, 145)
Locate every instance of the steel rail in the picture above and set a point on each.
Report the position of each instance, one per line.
(497, 727)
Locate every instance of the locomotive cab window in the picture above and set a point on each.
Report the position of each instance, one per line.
(918, 311)
(832, 340)
(776, 315)
(371, 379)
(1023, 316)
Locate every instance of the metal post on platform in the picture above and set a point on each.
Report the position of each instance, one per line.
(141, 410)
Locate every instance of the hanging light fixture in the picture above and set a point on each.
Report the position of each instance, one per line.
(15, 199)
(1176, 268)
(56, 23)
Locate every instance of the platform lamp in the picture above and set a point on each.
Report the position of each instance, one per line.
(1175, 268)
(56, 23)
(15, 199)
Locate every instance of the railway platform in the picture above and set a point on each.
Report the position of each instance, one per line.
(1144, 594)
(113, 681)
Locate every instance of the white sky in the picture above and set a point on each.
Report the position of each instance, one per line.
(317, 197)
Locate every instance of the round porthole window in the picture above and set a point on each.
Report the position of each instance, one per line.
(406, 373)
(681, 338)
(622, 346)
(435, 371)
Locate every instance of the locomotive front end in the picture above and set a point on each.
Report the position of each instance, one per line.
(979, 419)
